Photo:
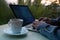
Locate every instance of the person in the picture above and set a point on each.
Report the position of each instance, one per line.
(55, 22)
(40, 20)
(43, 26)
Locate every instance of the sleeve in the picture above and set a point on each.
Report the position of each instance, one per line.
(58, 33)
(42, 25)
(54, 22)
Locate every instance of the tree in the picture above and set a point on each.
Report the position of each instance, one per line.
(53, 10)
(21, 2)
(29, 2)
(37, 2)
(5, 12)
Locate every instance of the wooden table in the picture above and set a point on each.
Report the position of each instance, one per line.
(29, 36)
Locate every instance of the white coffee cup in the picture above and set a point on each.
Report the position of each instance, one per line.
(15, 25)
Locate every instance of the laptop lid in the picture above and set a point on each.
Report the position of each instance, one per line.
(22, 12)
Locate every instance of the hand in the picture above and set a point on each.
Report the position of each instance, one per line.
(35, 24)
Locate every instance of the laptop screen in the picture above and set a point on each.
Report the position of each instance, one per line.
(23, 12)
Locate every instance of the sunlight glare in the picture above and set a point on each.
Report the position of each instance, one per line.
(12, 1)
(48, 2)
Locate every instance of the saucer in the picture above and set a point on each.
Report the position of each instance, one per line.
(10, 32)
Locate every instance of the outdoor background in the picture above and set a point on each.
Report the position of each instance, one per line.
(37, 9)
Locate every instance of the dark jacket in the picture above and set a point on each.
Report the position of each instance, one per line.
(50, 31)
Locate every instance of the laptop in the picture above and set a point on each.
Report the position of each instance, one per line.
(23, 12)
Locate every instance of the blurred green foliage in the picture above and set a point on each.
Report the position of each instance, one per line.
(41, 11)
(5, 12)
(36, 11)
